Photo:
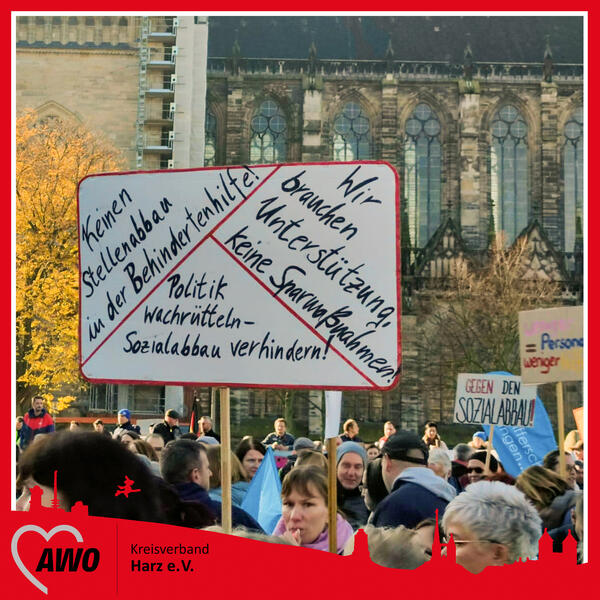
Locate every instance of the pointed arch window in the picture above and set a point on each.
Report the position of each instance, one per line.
(351, 134)
(422, 174)
(573, 181)
(268, 134)
(509, 168)
(210, 140)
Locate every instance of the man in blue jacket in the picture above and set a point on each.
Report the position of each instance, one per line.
(184, 464)
(415, 491)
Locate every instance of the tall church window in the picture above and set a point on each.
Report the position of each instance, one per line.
(210, 140)
(573, 180)
(268, 134)
(351, 134)
(509, 172)
(422, 174)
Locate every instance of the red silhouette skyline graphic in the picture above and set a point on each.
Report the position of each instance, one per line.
(568, 556)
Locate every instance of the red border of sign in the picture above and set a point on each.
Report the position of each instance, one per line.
(251, 385)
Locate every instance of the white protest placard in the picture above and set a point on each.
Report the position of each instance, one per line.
(263, 275)
(551, 344)
(333, 413)
(485, 399)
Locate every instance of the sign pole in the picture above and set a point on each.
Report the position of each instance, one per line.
(332, 494)
(489, 448)
(561, 430)
(225, 461)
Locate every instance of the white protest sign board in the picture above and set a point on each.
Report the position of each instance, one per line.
(270, 275)
(551, 344)
(486, 399)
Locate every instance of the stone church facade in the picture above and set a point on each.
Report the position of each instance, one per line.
(480, 148)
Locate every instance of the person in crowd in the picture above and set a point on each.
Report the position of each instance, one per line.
(388, 429)
(577, 451)
(575, 528)
(458, 478)
(479, 441)
(239, 477)
(351, 462)
(373, 486)
(36, 421)
(439, 462)
(351, 430)
(74, 426)
(311, 457)
(570, 440)
(491, 523)
(169, 428)
(579, 473)
(206, 440)
(476, 470)
(184, 464)
(552, 462)
(156, 441)
(127, 437)
(90, 468)
(399, 547)
(206, 428)
(300, 444)
(549, 493)
(18, 426)
(124, 424)
(415, 491)
(146, 453)
(250, 453)
(372, 452)
(431, 437)
(305, 515)
(280, 439)
(98, 426)
(190, 435)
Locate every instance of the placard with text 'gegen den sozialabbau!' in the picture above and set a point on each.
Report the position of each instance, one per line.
(263, 275)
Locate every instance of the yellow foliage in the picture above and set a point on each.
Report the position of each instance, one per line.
(51, 158)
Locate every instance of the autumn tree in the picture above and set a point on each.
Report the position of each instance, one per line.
(472, 325)
(51, 158)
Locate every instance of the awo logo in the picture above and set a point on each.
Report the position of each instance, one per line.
(63, 559)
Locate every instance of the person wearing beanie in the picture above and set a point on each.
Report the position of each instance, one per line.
(476, 470)
(169, 428)
(124, 424)
(351, 459)
(415, 491)
(479, 441)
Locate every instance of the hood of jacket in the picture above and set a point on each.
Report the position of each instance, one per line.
(427, 479)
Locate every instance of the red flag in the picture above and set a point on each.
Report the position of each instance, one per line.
(195, 416)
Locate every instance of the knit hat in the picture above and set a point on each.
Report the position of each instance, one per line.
(400, 443)
(208, 440)
(302, 443)
(480, 434)
(346, 447)
(125, 412)
(173, 414)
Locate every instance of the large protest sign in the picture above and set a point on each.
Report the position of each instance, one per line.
(494, 399)
(551, 344)
(253, 276)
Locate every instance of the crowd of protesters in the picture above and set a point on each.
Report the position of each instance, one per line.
(392, 488)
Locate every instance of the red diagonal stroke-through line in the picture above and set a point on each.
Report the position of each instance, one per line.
(182, 260)
(292, 311)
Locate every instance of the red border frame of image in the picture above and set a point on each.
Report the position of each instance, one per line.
(585, 579)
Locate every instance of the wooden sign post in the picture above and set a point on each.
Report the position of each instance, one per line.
(489, 448)
(560, 409)
(225, 461)
(332, 495)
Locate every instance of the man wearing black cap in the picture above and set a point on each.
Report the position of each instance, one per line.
(169, 428)
(415, 491)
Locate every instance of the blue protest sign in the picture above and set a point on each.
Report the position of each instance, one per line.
(522, 447)
(263, 498)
